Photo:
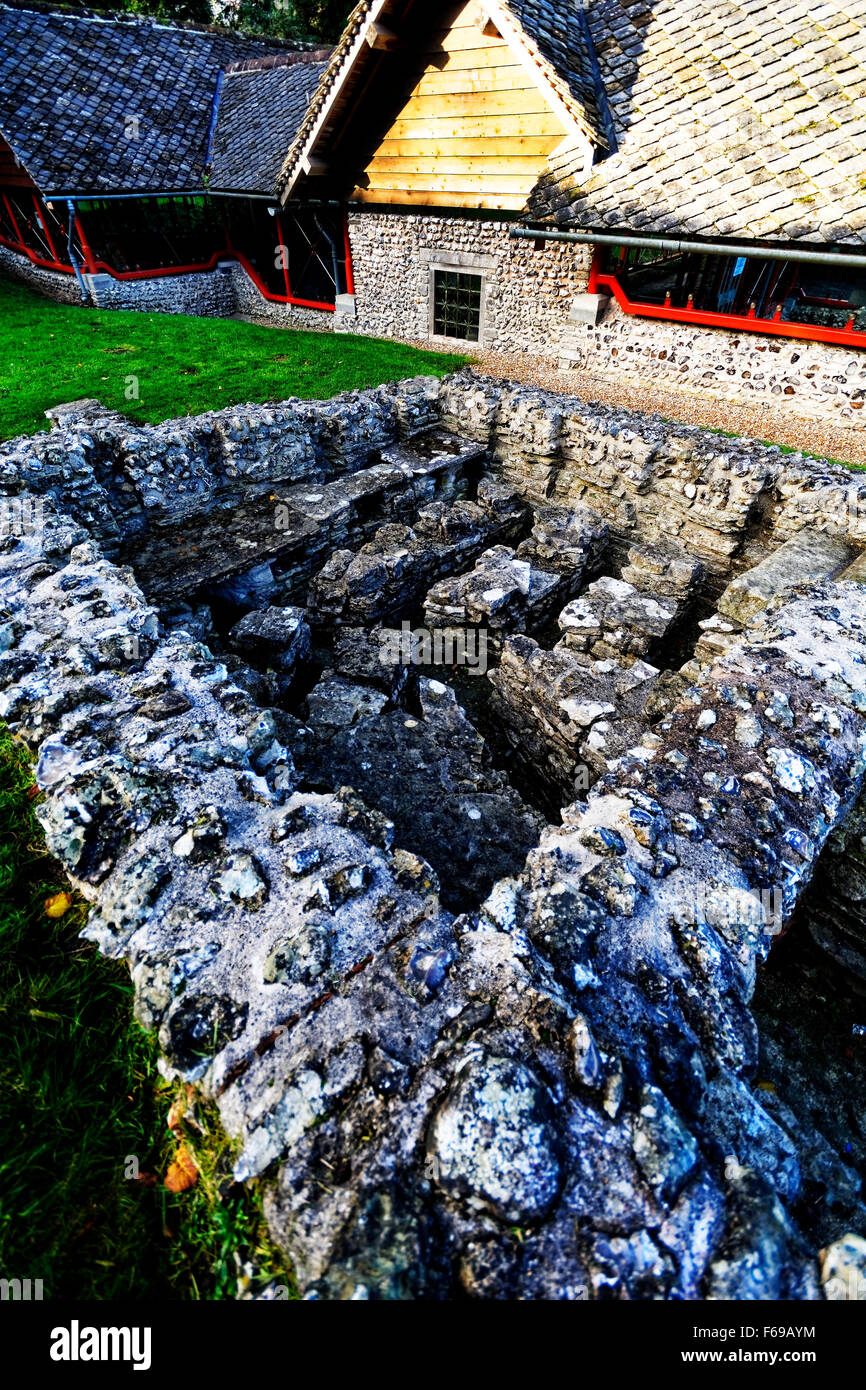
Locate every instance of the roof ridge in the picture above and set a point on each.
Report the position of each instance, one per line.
(279, 60)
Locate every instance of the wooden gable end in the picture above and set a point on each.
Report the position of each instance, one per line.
(476, 129)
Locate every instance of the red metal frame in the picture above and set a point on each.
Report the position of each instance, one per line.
(44, 224)
(94, 265)
(749, 323)
(25, 250)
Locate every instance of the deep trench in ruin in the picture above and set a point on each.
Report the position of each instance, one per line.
(557, 656)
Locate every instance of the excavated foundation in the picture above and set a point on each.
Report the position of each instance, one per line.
(448, 762)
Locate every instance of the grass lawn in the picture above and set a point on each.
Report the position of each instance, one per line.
(51, 353)
(80, 1096)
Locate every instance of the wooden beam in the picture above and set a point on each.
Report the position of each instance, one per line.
(380, 36)
(488, 164)
(492, 182)
(478, 80)
(457, 39)
(423, 147)
(480, 57)
(519, 103)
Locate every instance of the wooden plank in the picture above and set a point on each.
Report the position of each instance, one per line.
(488, 126)
(423, 147)
(525, 102)
(480, 57)
(458, 38)
(400, 198)
(454, 183)
(490, 164)
(446, 83)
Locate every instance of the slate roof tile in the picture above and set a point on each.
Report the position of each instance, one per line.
(772, 95)
(258, 117)
(69, 84)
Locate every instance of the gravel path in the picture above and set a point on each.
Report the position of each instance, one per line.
(778, 424)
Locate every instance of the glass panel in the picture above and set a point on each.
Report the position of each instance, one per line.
(824, 296)
(457, 305)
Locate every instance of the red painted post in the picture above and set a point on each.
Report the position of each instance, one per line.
(89, 258)
(594, 271)
(21, 242)
(350, 273)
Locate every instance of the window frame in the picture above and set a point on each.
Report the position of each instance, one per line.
(455, 267)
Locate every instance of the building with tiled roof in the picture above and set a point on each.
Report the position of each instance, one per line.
(131, 147)
(708, 157)
(732, 118)
(492, 171)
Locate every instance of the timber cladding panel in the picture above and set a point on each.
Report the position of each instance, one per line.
(476, 129)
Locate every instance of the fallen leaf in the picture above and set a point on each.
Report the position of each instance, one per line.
(57, 905)
(182, 1174)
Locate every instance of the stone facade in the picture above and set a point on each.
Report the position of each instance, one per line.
(527, 291)
(751, 368)
(207, 294)
(219, 293)
(528, 299)
(249, 302)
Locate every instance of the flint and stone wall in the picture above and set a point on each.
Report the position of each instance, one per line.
(817, 379)
(218, 293)
(208, 294)
(51, 283)
(527, 292)
(527, 296)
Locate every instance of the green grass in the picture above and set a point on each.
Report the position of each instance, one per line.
(53, 353)
(80, 1095)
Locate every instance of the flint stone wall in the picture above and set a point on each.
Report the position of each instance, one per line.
(819, 380)
(64, 288)
(527, 291)
(553, 1095)
(725, 501)
(219, 293)
(716, 497)
(119, 478)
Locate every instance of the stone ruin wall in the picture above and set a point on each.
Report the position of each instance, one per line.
(551, 1093)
